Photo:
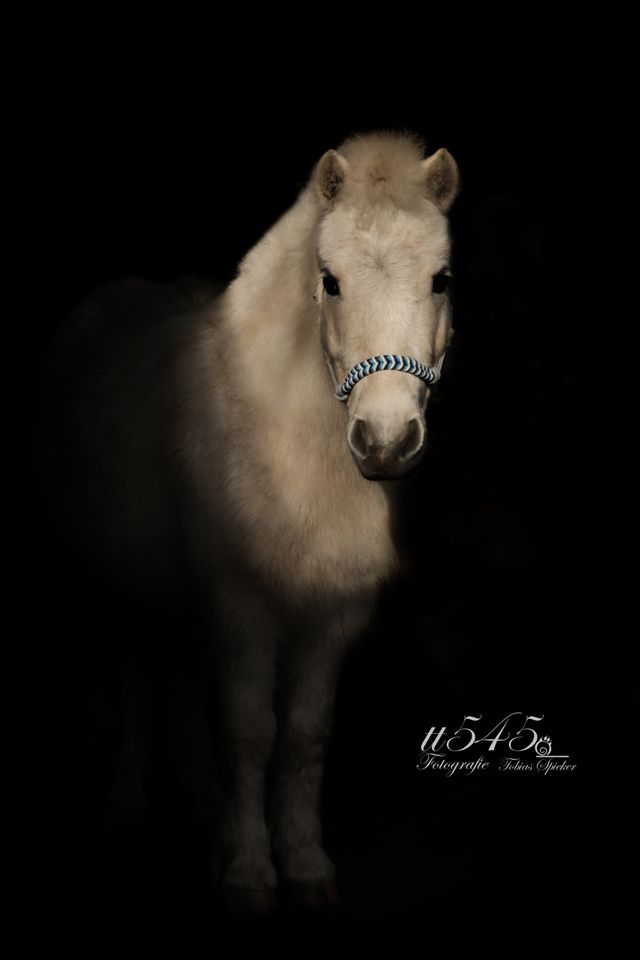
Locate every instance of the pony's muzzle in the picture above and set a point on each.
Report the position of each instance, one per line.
(388, 458)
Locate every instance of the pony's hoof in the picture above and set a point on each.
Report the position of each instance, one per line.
(312, 894)
(241, 901)
(248, 883)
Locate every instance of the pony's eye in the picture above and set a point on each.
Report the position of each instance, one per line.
(331, 285)
(440, 282)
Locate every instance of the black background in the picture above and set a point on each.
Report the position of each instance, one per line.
(164, 169)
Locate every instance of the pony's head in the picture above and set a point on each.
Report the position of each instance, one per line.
(383, 253)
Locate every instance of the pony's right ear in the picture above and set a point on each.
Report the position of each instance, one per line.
(329, 176)
(441, 178)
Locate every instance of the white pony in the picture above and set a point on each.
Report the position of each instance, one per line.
(205, 439)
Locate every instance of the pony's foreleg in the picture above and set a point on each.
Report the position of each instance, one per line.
(303, 736)
(245, 659)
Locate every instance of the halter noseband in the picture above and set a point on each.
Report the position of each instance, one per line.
(390, 361)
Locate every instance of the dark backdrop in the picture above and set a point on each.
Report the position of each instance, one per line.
(158, 175)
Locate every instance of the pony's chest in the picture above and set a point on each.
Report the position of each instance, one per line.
(327, 527)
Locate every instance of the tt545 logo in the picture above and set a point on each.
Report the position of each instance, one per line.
(513, 744)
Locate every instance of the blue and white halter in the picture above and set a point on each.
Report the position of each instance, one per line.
(388, 361)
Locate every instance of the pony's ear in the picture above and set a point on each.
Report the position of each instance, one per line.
(329, 175)
(441, 178)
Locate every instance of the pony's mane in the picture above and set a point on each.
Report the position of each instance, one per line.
(384, 165)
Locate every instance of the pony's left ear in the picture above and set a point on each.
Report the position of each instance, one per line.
(441, 178)
(329, 176)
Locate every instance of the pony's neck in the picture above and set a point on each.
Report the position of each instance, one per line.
(272, 317)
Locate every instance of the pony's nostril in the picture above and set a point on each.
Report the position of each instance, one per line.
(359, 440)
(412, 441)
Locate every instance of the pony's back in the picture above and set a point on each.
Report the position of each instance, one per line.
(119, 382)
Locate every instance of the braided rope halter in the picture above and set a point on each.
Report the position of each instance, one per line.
(388, 361)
